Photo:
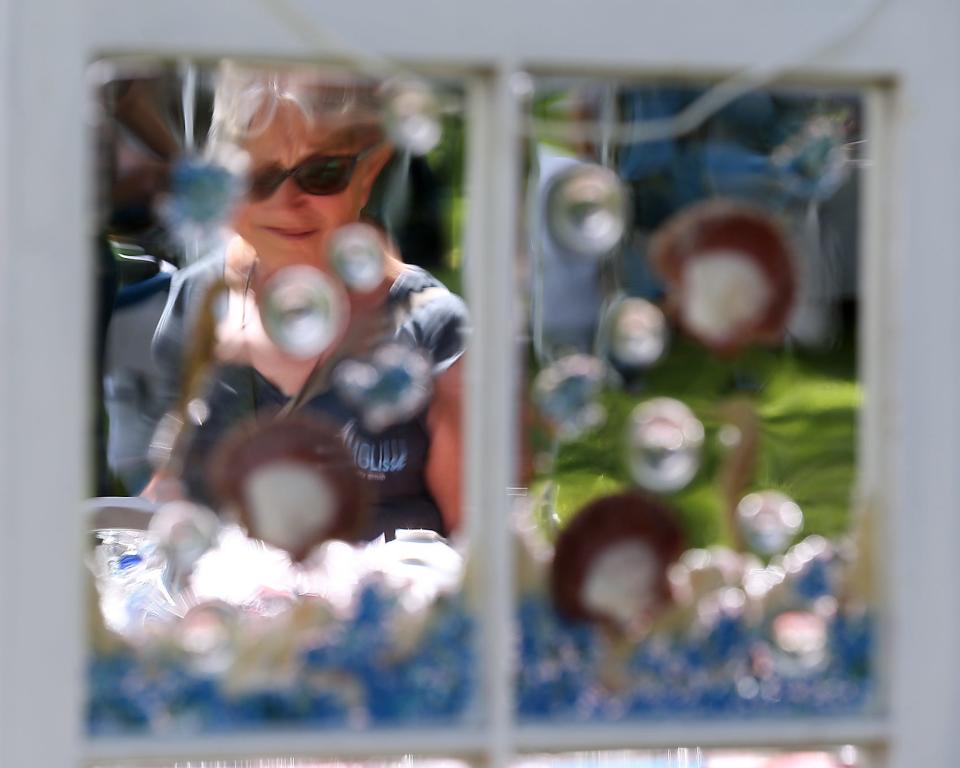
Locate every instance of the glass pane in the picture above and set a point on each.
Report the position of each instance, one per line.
(692, 545)
(276, 527)
(694, 757)
(408, 761)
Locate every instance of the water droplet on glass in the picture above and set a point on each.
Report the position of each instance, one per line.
(522, 85)
(392, 386)
(566, 393)
(302, 311)
(412, 116)
(768, 521)
(702, 571)
(664, 439)
(727, 602)
(271, 603)
(207, 633)
(729, 436)
(758, 582)
(748, 688)
(638, 333)
(848, 756)
(357, 254)
(198, 410)
(799, 642)
(587, 210)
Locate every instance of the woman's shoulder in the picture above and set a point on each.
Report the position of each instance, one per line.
(422, 294)
(412, 280)
(430, 315)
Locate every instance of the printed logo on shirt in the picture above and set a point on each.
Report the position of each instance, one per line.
(374, 457)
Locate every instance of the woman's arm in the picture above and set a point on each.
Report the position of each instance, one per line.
(444, 471)
(164, 486)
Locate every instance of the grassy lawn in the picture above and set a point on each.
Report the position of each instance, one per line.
(807, 403)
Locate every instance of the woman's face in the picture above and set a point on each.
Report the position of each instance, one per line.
(292, 226)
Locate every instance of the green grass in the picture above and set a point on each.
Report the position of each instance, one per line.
(807, 403)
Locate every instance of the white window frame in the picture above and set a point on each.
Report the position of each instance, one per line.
(906, 53)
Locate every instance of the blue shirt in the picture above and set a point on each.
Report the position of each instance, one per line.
(393, 461)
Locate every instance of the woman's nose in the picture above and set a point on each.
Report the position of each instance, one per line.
(289, 194)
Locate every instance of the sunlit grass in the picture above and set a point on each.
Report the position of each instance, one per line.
(807, 403)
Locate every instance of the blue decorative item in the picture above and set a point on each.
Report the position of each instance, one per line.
(732, 170)
(814, 162)
(712, 674)
(221, 659)
(567, 393)
(851, 640)
(815, 568)
(433, 683)
(128, 561)
(722, 654)
(392, 386)
(557, 661)
(202, 197)
(742, 640)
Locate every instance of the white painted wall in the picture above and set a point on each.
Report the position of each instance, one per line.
(44, 293)
(925, 232)
(6, 463)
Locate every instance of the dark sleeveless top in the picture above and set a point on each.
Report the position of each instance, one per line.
(392, 461)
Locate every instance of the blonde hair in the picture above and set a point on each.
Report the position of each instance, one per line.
(246, 99)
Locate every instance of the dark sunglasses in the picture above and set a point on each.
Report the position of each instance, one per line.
(317, 175)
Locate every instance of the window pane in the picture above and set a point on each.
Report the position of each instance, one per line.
(691, 452)
(694, 757)
(407, 761)
(276, 530)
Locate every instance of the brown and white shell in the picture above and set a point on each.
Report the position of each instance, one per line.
(611, 522)
(296, 443)
(732, 227)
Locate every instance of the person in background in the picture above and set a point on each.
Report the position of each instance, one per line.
(135, 148)
(316, 148)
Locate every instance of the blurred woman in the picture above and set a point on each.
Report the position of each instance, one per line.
(316, 148)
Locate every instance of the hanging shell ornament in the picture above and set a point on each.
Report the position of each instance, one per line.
(291, 483)
(412, 115)
(768, 521)
(611, 561)
(729, 273)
